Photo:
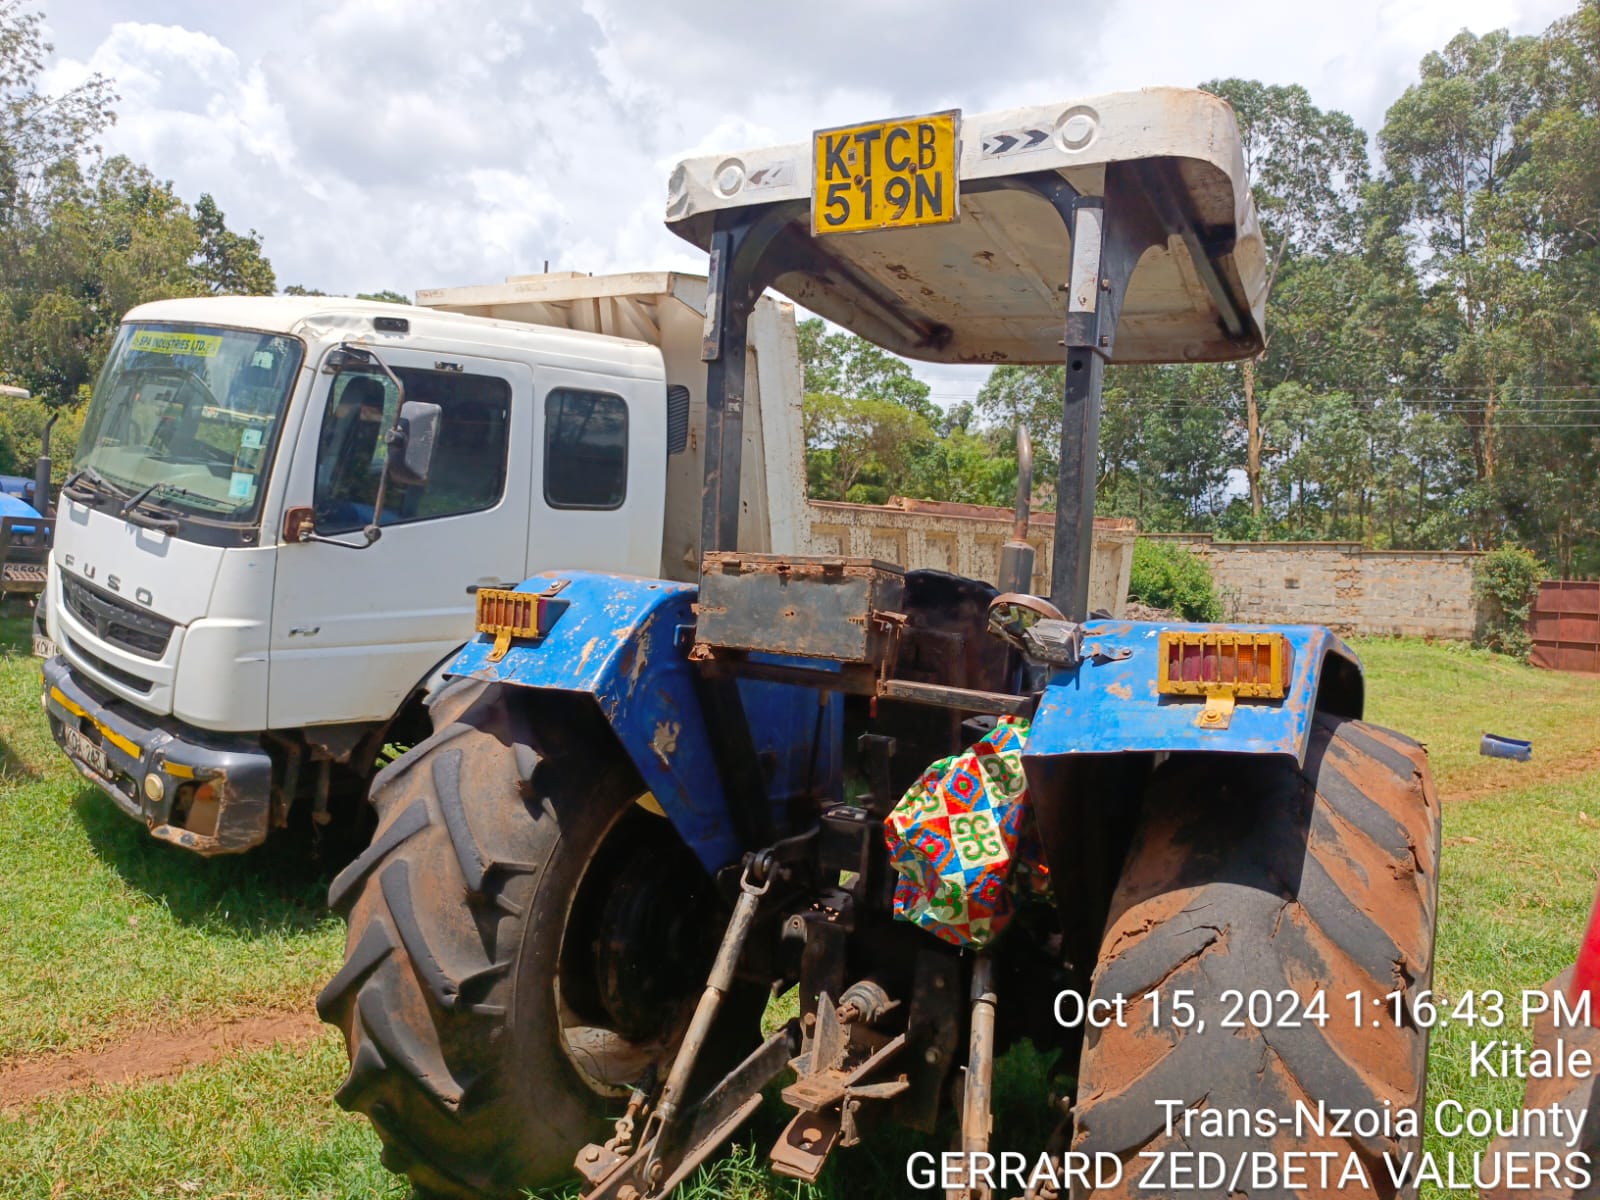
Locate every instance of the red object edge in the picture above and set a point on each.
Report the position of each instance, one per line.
(1586, 972)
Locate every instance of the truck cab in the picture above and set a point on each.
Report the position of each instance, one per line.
(247, 602)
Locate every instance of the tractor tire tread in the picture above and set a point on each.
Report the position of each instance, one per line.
(342, 892)
(440, 907)
(1258, 876)
(374, 945)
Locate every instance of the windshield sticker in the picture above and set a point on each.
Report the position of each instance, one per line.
(242, 486)
(250, 439)
(195, 345)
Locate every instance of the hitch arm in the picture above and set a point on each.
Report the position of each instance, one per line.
(646, 1171)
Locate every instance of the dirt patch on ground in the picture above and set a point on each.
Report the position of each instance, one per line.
(153, 1055)
(1534, 773)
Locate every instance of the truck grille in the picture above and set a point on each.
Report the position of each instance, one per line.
(126, 678)
(115, 620)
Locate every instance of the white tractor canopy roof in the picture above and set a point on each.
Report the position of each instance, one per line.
(989, 286)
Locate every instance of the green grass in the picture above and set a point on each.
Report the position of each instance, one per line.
(1517, 880)
(1521, 850)
(1448, 696)
(108, 932)
(256, 1125)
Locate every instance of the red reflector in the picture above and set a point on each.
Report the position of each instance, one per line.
(1216, 661)
(1210, 664)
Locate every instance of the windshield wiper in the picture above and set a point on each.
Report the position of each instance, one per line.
(97, 482)
(163, 520)
(199, 499)
(135, 501)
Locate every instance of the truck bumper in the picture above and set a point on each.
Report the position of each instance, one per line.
(210, 793)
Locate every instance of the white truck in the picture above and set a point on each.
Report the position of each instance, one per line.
(281, 510)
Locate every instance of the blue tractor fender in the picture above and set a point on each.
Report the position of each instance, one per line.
(1108, 703)
(623, 643)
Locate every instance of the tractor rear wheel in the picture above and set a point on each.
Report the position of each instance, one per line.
(1256, 886)
(525, 940)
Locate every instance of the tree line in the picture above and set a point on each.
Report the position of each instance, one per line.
(1431, 379)
(1432, 374)
(84, 237)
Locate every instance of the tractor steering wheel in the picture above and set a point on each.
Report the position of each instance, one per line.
(1012, 614)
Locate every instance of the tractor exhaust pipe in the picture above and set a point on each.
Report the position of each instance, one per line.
(41, 469)
(1017, 555)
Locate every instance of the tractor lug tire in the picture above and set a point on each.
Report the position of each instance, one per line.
(1256, 877)
(457, 911)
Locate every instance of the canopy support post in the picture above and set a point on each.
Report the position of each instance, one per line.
(736, 277)
(1078, 465)
(735, 280)
(1108, 235)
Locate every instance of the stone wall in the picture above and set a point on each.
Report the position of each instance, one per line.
(1424, 593)
(1419, 593)
(965, 539)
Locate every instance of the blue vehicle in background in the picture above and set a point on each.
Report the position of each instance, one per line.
(17, 485)
(950, 815)
(24, 544)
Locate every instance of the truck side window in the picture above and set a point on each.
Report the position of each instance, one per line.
(585, 449)
(469, 460)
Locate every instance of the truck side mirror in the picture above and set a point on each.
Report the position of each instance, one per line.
(411, 443)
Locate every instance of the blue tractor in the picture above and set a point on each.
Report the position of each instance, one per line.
(939, 815)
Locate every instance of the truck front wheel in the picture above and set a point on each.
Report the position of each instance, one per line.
(1265, 919)
(525, 940)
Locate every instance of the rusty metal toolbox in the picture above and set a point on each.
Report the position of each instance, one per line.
(844, 610)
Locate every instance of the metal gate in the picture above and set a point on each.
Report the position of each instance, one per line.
(1565, 625)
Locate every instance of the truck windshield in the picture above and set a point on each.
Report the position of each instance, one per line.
(191, 413)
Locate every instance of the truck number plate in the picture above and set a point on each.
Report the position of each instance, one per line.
(886, 175)
(86, 752)
(43, 647)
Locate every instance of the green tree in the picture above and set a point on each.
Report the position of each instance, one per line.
(843, 364)
(860, 449)
(106, 244)
(1306, 166)
(867, 419)
(967, 467)
(1451, 145)
(22, 424)
(40, 133)
(1306, 169)
(83, 240)
(229, 263)
(1030, 397)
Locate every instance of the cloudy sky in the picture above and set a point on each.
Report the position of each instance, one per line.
(418, 143)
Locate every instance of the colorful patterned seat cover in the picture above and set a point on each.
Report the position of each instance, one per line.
(957, 835)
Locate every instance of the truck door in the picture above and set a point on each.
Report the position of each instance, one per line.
(354, 631)
(600, 474)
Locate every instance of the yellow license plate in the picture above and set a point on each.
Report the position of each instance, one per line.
(885, 175)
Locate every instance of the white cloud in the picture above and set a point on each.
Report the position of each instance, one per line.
(417, 143)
